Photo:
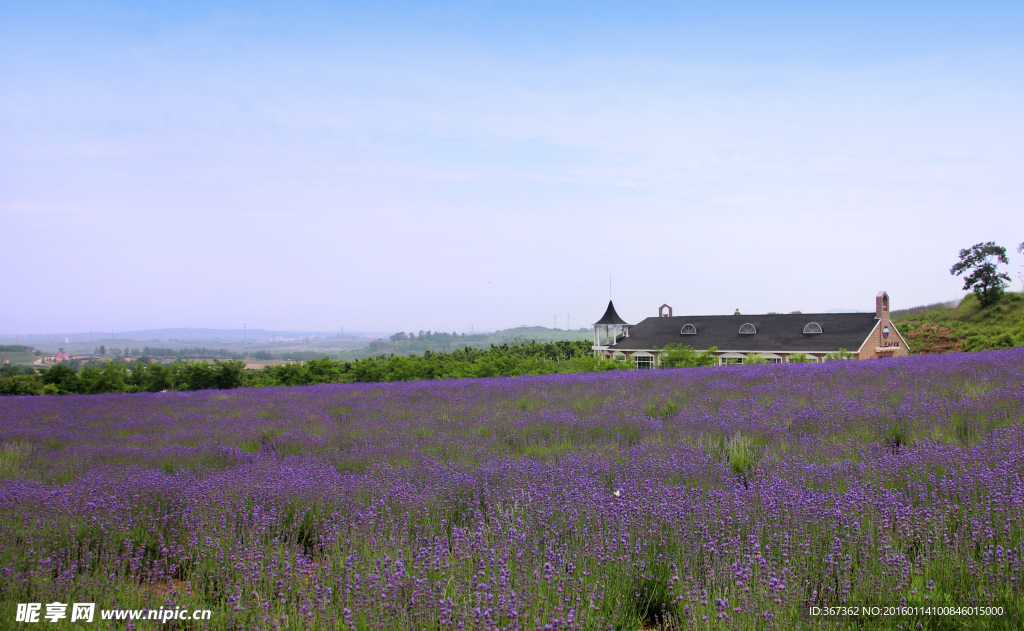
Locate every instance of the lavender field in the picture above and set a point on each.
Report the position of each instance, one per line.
(727, 497)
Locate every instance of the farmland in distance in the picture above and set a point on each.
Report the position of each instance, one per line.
(725, 497)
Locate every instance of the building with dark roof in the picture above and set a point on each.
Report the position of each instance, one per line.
(775, 336)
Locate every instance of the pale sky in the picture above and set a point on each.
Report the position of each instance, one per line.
(436, 165)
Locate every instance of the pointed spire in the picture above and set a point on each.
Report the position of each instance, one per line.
(610, 317)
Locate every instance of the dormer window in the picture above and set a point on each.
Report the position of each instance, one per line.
(747, 329)
(812, 327)
(688, 329)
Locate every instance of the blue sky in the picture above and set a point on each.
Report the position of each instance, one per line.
(447, 165)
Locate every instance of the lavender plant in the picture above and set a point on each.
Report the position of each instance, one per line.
(709, 498)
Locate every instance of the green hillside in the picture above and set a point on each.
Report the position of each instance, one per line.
(14, 354)
(948, 327)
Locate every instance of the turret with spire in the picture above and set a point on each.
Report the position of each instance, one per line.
(611, 325)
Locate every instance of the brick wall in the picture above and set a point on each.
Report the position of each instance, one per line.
(878, 340)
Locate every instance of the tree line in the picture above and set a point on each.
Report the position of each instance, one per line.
(531, 358)
(201, 352)
(155, 351)
(119, 376)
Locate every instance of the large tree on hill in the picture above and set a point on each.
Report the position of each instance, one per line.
(979, 265)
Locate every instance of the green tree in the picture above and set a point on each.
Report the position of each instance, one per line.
(798, 358)
(21, 385)
(148, 377)
(284, 375)
(980, 263)
(158, 379)
(12, 370)
(754, 358)
(63, 378)
(112, 377)
(228, 374)
(679, 356)
(194, 376)
(324, 370)
(200, 375)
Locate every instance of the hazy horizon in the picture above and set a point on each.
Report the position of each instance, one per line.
(384, 167)
(237, 334)
(229, 334)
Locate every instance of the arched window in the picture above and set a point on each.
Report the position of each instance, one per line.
(688, 329)
(812, 327)
(747, 329)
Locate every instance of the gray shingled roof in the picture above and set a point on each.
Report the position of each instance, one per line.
(610, 317)
(775, 332)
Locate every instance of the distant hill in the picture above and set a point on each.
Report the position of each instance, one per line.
(963, 325)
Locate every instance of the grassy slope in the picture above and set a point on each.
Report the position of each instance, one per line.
(20, 359)
(964, 327)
